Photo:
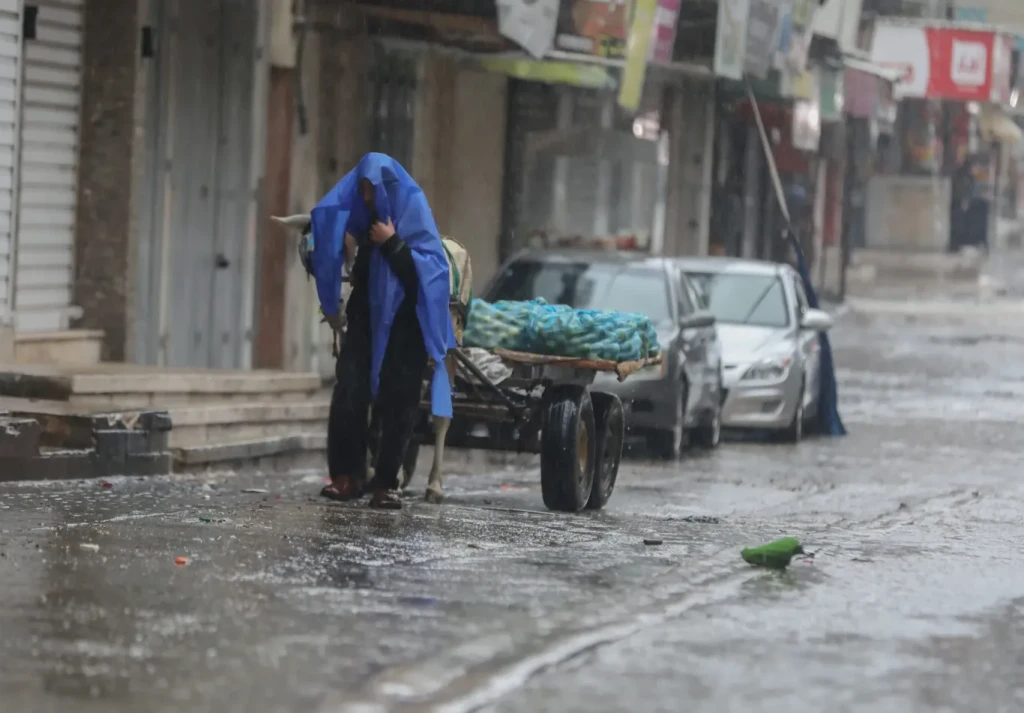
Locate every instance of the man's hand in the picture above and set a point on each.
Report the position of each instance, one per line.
(380, 232)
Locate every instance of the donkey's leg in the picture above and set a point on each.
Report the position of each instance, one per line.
(434, 494)
(372, 446)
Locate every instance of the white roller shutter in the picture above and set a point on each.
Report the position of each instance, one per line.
(10, 93)
(51, 101)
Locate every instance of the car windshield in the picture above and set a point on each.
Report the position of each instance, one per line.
(757, 300)
(599, 286)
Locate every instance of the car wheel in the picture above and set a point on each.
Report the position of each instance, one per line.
(794, 433)
(709, 434)
(667, 444)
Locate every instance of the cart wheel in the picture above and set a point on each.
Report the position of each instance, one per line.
(610, 422)
(567, 448)
(409, 463)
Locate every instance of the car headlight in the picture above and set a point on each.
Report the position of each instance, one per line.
(768, 370)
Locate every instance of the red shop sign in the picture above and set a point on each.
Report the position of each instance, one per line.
(944, 62)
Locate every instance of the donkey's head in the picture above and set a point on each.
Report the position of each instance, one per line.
(301, 224)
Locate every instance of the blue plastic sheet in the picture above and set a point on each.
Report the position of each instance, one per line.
(829, 421)
(558, 330)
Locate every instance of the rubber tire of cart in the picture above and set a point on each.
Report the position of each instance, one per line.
(568, 414)
(610, 426)
(409, 462)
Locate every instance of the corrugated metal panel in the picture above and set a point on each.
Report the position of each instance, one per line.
(10, 64)
(50, 105)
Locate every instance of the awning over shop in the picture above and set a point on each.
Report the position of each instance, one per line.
(997, 126)
(889, 74)
(575, 74)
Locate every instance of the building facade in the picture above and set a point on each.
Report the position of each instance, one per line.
(144, 146)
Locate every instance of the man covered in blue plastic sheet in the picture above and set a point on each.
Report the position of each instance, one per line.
(396, 317)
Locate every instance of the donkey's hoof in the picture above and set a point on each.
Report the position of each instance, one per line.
(433, 496)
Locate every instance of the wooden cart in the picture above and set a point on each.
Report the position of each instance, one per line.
(546, 407)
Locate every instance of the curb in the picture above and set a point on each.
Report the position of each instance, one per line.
(935, 308)
(48, 447)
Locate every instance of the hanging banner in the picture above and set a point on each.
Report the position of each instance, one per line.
(664, 37)
(1002, 70)
(762, 38)
(806, 125)
(831, 93)
(795, 31)
(636, 60)
(945, 62)
(594, 27)
(731, 38)
(529, 23)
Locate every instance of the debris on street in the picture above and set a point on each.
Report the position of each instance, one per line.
(774, 555)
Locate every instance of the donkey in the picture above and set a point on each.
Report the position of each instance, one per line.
(460, 272)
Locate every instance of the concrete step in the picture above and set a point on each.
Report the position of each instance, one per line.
(108, 386)
(308, 453)
(233, 422)
(276, 454)
(66, 347)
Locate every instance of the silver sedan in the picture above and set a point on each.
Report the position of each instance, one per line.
(770, 347)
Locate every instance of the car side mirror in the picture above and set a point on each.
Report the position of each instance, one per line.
(816, 320)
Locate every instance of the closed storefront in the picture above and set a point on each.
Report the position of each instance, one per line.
(46, 196)
(10, 80)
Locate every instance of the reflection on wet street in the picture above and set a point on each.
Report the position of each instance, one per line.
(912, 601)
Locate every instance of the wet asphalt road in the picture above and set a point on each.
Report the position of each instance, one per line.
(913, 602)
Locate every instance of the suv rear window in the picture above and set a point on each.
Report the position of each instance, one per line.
(600, 286)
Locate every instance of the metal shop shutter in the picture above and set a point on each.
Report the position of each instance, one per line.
(50, 104)
(10, 93)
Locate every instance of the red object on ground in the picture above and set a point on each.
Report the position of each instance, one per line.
(180, 560)
(106, 484)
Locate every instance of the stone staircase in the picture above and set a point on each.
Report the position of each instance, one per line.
(218, 420)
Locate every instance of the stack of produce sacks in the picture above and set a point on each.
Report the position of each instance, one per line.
(557, 330)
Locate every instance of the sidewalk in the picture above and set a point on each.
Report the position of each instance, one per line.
(996, 290)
